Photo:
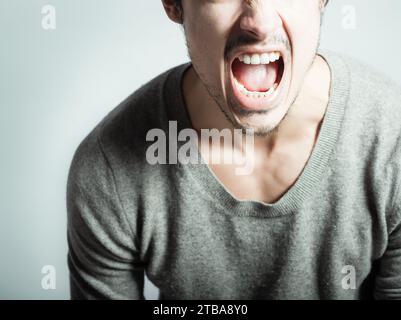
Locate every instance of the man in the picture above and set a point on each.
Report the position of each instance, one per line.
(317, 217)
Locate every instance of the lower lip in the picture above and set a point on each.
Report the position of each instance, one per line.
(256, 103)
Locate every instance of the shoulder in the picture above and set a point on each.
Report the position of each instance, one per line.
(109, 168)
(373, 99)
(371, 89)
(367, 84)
(370, 134)
(376, 102)
(120, 138)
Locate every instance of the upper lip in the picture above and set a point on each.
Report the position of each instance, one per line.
(258, 50)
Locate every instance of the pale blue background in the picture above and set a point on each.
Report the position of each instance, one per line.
(56, 85)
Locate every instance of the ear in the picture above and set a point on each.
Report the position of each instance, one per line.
(173, 10)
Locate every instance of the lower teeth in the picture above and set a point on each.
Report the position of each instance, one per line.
(256, 94)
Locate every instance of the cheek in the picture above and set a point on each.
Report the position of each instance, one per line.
(302, 21)
(303, 27)
(208, 26)
(207, 29)
(305, 39)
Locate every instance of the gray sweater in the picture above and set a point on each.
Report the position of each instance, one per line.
(336, 234)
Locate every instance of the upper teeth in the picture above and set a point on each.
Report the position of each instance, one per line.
(264, 58)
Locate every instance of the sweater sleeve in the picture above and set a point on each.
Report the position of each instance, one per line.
(103, 256)
(388, 280)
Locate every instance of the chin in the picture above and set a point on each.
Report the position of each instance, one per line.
(260, 124)
(262, 121)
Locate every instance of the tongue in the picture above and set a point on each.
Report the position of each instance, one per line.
(256, 77)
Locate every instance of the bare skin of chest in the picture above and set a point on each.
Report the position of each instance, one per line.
(273, 174)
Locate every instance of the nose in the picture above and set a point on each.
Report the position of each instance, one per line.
(260, 18)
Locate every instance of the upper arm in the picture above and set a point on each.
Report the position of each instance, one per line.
(388, 280)
(103, 258)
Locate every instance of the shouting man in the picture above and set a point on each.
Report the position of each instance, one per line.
(317, 217)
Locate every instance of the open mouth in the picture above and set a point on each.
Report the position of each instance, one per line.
(257, 78)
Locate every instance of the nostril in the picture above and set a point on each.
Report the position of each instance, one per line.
(260, 21)
(248, 24)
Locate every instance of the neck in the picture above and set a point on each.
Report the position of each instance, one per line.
(302, 121)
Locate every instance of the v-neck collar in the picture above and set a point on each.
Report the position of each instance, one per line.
(314, 170)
